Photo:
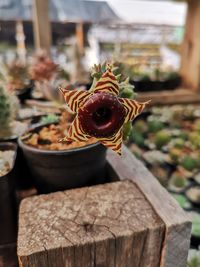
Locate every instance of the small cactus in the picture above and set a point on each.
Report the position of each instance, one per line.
(162, 138)
(8, 110)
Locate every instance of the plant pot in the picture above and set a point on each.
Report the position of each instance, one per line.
(195, 235)
(193, 195)
(25, 93)
(18, 129)
(8, 209)
(172, 83)
(59, 170)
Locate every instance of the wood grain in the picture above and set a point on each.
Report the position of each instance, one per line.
(178, 226)
(178, 96)
(41, 25)
(110, 225)
(190, 60)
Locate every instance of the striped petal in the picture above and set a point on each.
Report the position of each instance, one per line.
(132, 107)
(114, 143)
(107, 84)
(75, 98)
(75, 132)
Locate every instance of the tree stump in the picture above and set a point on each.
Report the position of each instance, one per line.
(129, 223)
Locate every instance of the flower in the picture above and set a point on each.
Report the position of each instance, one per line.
(101, 113)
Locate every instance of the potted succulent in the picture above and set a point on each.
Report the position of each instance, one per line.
(193, 258)
(42, 70)
(18, 80)
(10, 128)
(177, 183)
(8, 222)
(58, 166)
(193, 194)
(195, 218)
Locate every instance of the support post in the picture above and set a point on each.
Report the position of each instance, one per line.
(20, 39)
(80, 37)
(190, 65)
(42, 26)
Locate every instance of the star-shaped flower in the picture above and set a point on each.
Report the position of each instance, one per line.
(100, 112)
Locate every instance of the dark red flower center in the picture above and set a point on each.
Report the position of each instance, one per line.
(102, 115)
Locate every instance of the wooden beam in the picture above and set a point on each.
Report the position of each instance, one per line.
(109, 225)
(41, 25)
(176, 242)
(132, 221)
(170, 97)
(80, 37)
(190, 65)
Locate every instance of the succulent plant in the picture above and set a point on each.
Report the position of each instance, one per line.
(197, 126)
(193, 194)
(137, 138)
(140, 126)
(98, 70)
(177, 182)
(189, 163)
(162, 138)
(194, 260)
(175, 154)
(8, 110)
(50, 118)
(194, 139)
(126, 90)
(127, 128)
(155, 126)
(182, 201)
(160, 173)
(17, 75)
(195, 224)
(43, 68)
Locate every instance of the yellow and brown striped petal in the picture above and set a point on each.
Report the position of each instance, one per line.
(114, 142)
(75, 132)
(132, 107)
(75, 98)
(107, 84)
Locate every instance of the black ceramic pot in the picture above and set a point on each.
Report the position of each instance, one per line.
(8, 209)
(25, 93)
(59, 170)
(172, 83)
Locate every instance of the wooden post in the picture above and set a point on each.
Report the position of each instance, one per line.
(42, 26)
(80, 37)
(131, 222)
(20, 38)
(190, 65)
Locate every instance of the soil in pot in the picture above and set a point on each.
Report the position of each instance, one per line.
(8, 221)
(59, 166)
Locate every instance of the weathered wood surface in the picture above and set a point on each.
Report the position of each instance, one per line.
(177, 96)
(178, 227)
(41, 25)
(110, 225)
(8, 257)
(190, 60)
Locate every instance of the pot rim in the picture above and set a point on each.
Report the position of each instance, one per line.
(9, 146)
(53, 152)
